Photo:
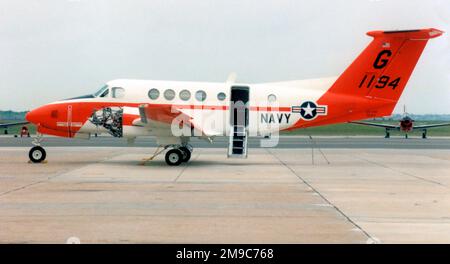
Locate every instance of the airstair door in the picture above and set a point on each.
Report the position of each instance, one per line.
(239, 120)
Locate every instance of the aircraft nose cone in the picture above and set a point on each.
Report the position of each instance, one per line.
(30, 117)
(34, 116)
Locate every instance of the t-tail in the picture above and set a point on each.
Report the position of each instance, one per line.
(371, 86)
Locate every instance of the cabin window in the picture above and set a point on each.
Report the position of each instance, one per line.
(185, 95)
(272, 98)
(221, 96)
(169, 94)
(153, 94)
(117, 92)
(200, 95)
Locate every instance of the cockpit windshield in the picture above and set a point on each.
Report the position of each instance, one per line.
(102, 92)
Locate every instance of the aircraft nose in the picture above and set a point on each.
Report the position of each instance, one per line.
(31, 116)
(35, 116)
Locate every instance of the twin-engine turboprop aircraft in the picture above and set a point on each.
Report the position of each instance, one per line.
(405, 125)
(174, 112)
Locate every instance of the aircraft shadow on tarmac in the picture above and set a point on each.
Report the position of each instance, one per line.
(192, 163)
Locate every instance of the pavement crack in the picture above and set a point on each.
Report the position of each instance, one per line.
(185, 167)
(401, 172)
(323, 197)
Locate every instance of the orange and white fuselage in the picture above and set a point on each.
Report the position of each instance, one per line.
(174, 111)
(70, 118)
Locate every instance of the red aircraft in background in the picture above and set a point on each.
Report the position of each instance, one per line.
(406, 124)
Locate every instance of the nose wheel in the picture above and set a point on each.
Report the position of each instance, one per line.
(37, 154)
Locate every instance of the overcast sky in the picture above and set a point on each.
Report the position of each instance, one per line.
(51, 50)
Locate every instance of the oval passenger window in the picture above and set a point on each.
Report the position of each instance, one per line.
(185, 95)
(153, 93)
(200, 95)
(169, 94)
(221, 96)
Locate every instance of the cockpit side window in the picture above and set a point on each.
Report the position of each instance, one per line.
(117, 92)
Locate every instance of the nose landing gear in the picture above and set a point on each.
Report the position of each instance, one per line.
(37, 153)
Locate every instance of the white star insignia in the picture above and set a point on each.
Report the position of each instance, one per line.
(308, 110)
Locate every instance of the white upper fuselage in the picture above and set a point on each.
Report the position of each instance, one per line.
(214, 114)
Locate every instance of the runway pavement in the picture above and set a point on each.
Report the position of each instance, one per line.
(222, 142)
(105, 195)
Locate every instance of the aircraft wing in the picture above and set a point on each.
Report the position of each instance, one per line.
(154, 117)
(430, 126)
(375, 125)
(163, 117)
(5, 125)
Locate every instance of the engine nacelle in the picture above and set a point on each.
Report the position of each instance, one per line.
(118, 121)
(109, 118)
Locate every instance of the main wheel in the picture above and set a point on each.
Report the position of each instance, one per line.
(37, 154)
(174, 157)
(186, 153)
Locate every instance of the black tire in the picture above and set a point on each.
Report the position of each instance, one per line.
(37, 154)
(186, 154)
(174, 157)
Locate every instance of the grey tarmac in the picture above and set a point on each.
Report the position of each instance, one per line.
(295, 142)
(104, 195)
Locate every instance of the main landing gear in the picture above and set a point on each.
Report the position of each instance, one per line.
(424, 134)
(178, 155)
(37, 153)
(388, 134)
(175, 156)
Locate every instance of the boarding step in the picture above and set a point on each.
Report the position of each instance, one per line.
(237, 147)
(239, 131)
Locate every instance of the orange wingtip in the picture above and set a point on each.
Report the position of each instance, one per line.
(427, 33)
